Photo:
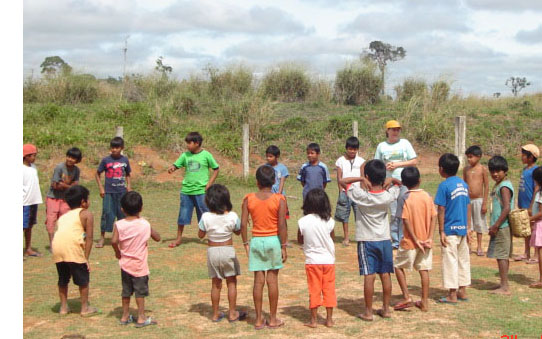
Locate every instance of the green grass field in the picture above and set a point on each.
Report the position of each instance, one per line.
(180, 288)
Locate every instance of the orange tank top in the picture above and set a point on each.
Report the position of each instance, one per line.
(264, 214)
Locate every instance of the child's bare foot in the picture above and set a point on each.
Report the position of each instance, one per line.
(174, 244)
(419, 304)
(330, 323)
(32, 253)
(383, 314)
(346, 243)
(501, 291)
(278, 323)
(403, 304)
(311, 324)
(100, 243)
(365, 317)
(536, 285)
(64, 311)
(89, 311)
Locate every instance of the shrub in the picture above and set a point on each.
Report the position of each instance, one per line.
(358, 84)
(411, 87)
(233, 80)
(440, 90)
(288, 83)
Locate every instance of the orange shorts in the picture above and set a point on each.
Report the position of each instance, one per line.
(55, 208)
(321, 281)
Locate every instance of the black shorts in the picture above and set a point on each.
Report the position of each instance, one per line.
(79, 272)
(137, 285)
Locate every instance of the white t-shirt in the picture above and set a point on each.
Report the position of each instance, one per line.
(317, 243)
(402, 150)
(31, 186)
(219, 227)
(350, 168)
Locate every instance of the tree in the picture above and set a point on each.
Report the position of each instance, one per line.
(381, 53)
(517, 84)
(162, 68)
(54, 64)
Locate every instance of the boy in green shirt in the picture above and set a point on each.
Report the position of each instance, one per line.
(198, 164)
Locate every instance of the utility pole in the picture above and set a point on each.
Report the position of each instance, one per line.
(124, 50)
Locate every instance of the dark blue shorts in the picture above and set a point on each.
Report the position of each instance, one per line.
(188, 203)
(30, 214)
(375, 257)
(110, 211)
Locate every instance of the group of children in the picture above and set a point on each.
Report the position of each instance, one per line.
(368, 188)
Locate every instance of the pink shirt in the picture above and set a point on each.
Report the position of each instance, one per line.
(133, 236)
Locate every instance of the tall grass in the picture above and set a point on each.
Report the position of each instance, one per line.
(358, 84)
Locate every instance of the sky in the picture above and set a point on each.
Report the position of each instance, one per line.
(473, 44)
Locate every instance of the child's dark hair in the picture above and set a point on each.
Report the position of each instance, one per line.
(75, 196)
(449, 163)
(474, 150)
(410, 176)
(116, 142)
(317, 202)
(75, 153)
(314, 147)
(376, 171)
(265, 175)
(352, 142)
(273, 150)
(132, 203)
(528, 154)
(194, 137)
(537, 176)
(217, 199)
(497, 163)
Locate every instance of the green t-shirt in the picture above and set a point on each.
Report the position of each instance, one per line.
(197, 167)
(496, 205)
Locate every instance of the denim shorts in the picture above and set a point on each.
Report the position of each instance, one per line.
(30, 213)
(110, 211)
(188, 203)
(375, 257)
(342, 211)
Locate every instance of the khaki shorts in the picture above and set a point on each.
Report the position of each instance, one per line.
(478, 220)
(407, 259)
(500, 245)
(455, 262)
(222, 262)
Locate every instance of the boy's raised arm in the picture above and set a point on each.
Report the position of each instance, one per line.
(155, 235)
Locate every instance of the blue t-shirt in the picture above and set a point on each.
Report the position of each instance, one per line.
(526, 187)
(281, 171)
(453, 194)
(313, 176)
(116, 171)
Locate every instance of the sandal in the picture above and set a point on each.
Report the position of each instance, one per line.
(520, 257)
(220, 317)
(402, 305)
(147, 322)
(444, 300)
(536, 285)
(531, 261)
(262, 326)
(280, 324)
(128, 321)
(242, 316)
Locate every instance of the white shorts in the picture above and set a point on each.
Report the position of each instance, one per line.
(407, 259)
(478, 220)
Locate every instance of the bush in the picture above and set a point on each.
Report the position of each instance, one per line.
(288, 83)
(357, 84)
(411, 88)
(321, 91)
(440, 90)
(233, 80)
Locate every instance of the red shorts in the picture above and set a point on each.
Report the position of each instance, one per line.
(321, 281)
(55, 208)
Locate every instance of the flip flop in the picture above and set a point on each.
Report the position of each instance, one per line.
(380, 313)
(402, 306)
(280, 324)
(444, 300)
(98, 245)
(536, 285)
(242, 316)
(520, 258)
(262, 326)
(94, 311)
(173, 245)
(128, 321)
(147, 322)
(480, 254)
(360, 316)
(35, 254)
(220, 317)
(531, 261)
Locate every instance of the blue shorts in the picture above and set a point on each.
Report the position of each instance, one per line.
(342, 211)
(188, 203)
(30, 214)
(110, 211)
(375, 257)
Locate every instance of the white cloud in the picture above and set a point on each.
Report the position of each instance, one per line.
(530, 36)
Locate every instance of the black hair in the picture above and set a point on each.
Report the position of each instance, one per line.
(265, 175)
(317, 202)
(474, 150)
(75, 153)
(497, 163)
(217, 199)
(75, 196)
(449, 163)
(352, 142)
(528, 154)
(410, 176)
(132, 203)
(314, 147)
(537, 175)
(376, 171)
(273, 150)
(117, 142)
(194, 137)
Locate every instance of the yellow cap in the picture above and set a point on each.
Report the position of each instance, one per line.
(393, 124)
(533, 149)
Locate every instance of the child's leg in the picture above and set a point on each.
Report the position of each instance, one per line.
(479, 243)
(329, 317)
(216, 286)
(503, 274)
(63, 294)
(28, 241)
(257, 295)
(314, 314)
(401, 279)
(346, 240)
(528, 247)
(539, 252)
(328, 291)
(185, 217)
(125, 309)
(424, 275)
(141, 318)
(386, 291)
(273, 292)
(368, 292)
(232, 297)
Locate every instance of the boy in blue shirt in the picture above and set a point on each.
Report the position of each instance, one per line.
(454, 213)
(313, 173)
(272, 154)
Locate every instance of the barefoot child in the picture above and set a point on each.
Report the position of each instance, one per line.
(72, 244)
(31, 196)
(375, 255)
(65, 175)
(267, 250)
(130, 236)
(536, 219)
(316, 235)
(272, 155)
(313, 173)
(500, 243)
(222, 263)
(476, 176)
(419, 219)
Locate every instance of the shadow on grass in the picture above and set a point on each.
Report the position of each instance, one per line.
(434, 293)
(301, 313)
(117, 312)
(484, 285)
(186, 240)
(73, 304)
(351, 306)
(206, 310)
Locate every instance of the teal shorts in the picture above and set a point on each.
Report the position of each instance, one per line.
(265, 254)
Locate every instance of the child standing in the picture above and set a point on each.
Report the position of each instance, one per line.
(529, 155)
(536, 219)
(31, 196)
(272, 154)
(267, 249)
(117, 183)
(313, 173)
(454, 214)
(130, 236)
(71, 246)
(65, 175)
(222, 263)
(500, 243)
(316, 235)
(348, 166)
(375, 254)
(419, 218)
(476, 177)
(198, 163)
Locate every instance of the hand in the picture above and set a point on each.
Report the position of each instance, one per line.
(284, 254)
(391, 166)
(102, 193)
(484, 208)
(443, 240)
(421, 245)
(469, 237)
(207, 187)
(117, 255)
(88, 266)
(493, 230)
(171, 169)
(428, 243)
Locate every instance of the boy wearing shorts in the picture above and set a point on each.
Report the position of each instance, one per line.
(31, 197)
